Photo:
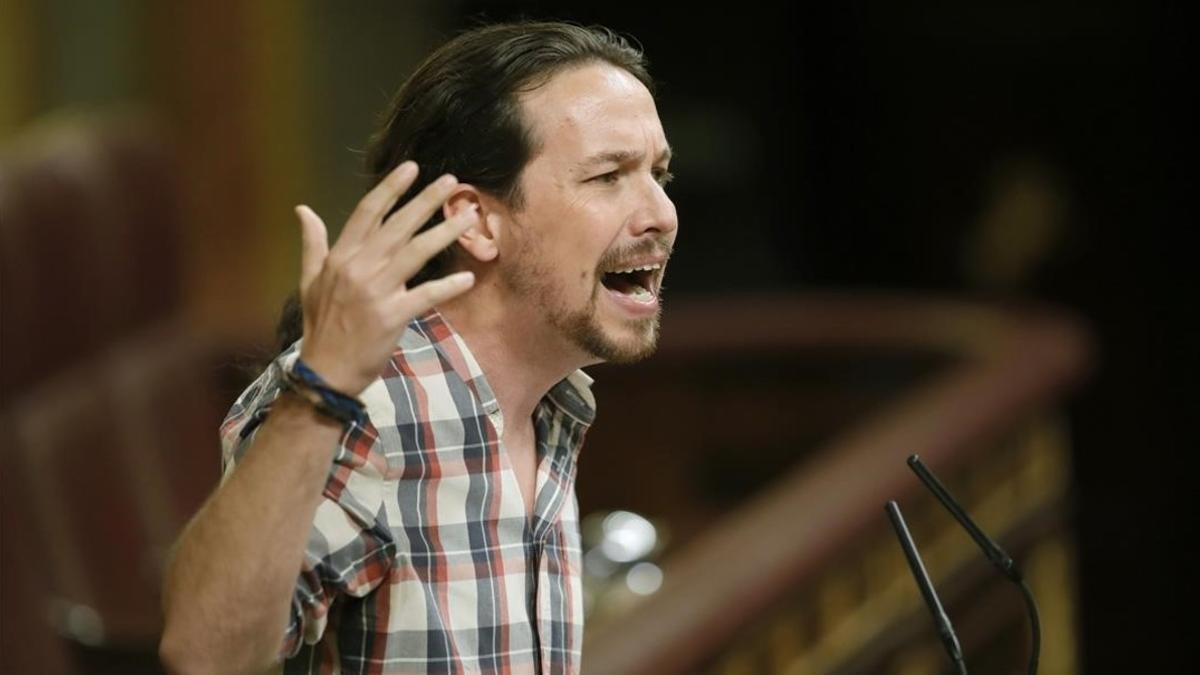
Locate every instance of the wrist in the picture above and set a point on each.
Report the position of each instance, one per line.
(307, 385)
(335, 375)
(295, 410)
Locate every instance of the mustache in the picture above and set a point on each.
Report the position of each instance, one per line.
(658, 246)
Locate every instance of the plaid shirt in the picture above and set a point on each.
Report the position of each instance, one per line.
(421, 558)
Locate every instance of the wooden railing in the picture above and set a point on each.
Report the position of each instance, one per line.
(805, 576)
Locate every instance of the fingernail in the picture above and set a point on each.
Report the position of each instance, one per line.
(469, 213)
(461, 279)
(447, 180)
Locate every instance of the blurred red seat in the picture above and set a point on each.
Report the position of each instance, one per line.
(109, 460)
(110, 402)
(89, 252)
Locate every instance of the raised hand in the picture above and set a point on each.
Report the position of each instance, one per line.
(355, 299)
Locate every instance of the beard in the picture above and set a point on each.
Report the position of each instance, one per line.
(531, 276)
(583, 328)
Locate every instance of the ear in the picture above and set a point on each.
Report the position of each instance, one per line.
(482, 241)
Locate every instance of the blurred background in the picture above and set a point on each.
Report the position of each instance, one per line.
(952, 230)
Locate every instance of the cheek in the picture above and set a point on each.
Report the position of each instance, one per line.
(589, 283)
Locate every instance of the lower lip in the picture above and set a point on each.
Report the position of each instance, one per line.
(631, 306)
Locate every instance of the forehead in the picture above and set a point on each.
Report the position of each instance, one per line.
(592, 109)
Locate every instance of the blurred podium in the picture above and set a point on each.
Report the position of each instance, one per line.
(109, 400)
(766, 436)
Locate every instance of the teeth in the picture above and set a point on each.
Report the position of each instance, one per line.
(642, 295)
(644, 268)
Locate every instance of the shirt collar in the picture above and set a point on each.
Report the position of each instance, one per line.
(571, 395)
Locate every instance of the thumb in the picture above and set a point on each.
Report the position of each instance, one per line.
(314, 246)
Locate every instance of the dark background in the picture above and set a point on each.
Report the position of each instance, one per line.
(851, 147)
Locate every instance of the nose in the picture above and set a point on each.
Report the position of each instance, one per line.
(656, 212)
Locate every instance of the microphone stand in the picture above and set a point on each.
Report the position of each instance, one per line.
(991, 550)
(945, 629)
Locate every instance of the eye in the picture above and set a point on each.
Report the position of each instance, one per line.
(608, 178)
(663, 176)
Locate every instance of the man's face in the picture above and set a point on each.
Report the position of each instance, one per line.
(589, 246)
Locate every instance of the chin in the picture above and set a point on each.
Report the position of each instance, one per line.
(631, 343)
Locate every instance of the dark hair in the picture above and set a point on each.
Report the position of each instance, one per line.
(460, 113)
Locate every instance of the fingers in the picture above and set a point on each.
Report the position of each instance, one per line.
(408, 259)
(419, 300)
(372, 207)
(401, 224)
(314, 246)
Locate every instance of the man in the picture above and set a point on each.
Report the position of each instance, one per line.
(436, 527)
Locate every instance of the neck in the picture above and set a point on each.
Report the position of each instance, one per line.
(520, 356)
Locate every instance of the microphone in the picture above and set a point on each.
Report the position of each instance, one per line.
(991, 550)
(945, 630)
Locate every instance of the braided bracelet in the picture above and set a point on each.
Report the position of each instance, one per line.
(310, 386)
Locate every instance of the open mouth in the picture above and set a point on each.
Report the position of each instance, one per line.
(640, 284)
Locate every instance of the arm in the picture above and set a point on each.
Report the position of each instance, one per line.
(229, 586)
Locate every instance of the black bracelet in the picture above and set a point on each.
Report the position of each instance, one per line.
(313, 388)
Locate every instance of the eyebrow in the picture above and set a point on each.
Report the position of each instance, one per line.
(622, 157)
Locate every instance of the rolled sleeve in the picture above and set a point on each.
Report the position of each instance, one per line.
(344, 557)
